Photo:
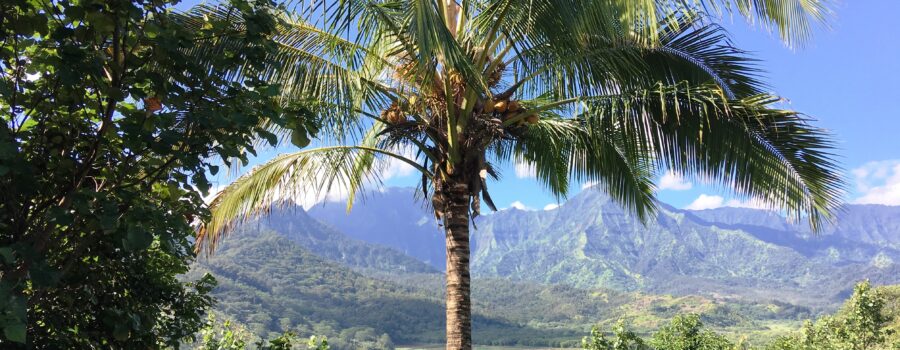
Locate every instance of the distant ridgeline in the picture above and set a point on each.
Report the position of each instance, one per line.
(591, 242)
(542, 277)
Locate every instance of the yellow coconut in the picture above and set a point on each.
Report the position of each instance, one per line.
(533, 119)
(500, 106)
(513, 106)
(488, 107)
(456, 78)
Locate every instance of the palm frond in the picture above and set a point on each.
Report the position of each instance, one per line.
(747, 145)
(306, 174)
(563, 149)
(793, 19)
(687, 49)
(321, 71)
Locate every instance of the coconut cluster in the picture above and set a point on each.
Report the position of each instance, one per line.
(393, 114)
(508, 109)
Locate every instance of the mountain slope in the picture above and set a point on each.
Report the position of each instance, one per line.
(271, 284)
(591, 242)
(391, 218)
(868, 223)
(296, 225)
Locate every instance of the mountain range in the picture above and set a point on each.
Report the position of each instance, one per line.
(591, 242)
(373, 275)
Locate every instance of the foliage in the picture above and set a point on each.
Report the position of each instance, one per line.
(866, 322)
(622, 340)
(557, 84)
(613, 92)
(110, 124)
(863, 323)
(684, 332)
(317, 343)
(227, 336)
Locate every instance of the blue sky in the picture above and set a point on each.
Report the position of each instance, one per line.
(846, 78)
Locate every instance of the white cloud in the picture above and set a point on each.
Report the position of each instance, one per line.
(878, 183)
(398, 168)
(309, 199)
(525, 169)
(753, 203)
(551, 206)
(705, 201)
(674, 182)
(519, 205)
(588, 184)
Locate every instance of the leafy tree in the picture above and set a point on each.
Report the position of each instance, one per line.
(228, 336)
(109, 127)
(613, 92)
(862, 318)
(317, 343)
(863, 323)
(686, 332)
(623, 339)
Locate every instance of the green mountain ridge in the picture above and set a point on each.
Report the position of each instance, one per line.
(271, 283)
(541, 277)
(590, 242)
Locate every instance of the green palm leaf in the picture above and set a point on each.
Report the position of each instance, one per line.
(288, 178)
(744, 144)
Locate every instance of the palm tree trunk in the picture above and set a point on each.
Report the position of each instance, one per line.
(459, 306)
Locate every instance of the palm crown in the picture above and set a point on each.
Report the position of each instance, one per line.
(612, 92)
(601, 91)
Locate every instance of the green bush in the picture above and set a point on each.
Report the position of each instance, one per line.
(229, 336)
(868, 321)
(684, 332)
(863, 323)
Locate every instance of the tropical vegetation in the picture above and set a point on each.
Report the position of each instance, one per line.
(270, 284)
(613, 92)
(115, 112)
(109, 125)
(868, 320)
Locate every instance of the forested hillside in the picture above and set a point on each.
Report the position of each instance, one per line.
(269, 284)
(591, 242)
(542, 277)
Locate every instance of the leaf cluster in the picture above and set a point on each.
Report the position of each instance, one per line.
(108, 128)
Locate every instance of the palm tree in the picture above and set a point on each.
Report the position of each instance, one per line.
(613, 92)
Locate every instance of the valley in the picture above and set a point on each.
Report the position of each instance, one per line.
(542, 278)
